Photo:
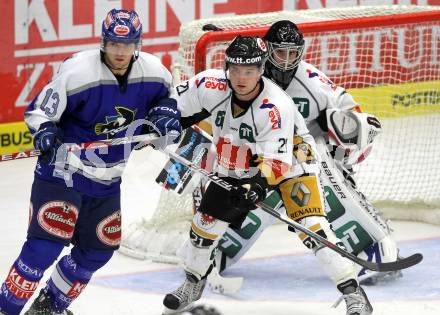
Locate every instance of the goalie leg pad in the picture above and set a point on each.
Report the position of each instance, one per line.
(198, 252)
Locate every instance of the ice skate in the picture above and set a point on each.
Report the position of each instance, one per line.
(357, 302)
(43, 306)
(183, 298)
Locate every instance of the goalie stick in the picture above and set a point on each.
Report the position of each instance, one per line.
(83, 146)
(402, 263)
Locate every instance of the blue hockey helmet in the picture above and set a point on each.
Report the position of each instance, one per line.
(122, 26)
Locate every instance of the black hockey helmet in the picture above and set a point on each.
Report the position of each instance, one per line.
(246, 50)
(283, 39)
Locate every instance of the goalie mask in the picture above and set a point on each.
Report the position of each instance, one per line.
(286, 46)
(121, 26)
(351, 134)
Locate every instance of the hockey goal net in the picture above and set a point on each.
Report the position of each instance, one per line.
(387, 57)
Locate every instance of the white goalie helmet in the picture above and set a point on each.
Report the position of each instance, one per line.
(352, 133)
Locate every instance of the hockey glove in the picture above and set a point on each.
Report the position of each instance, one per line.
(47, 140)
(249, 192)
(164, 120)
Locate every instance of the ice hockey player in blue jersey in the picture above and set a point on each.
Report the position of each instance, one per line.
(98, 94)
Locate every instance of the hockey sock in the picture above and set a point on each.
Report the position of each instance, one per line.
(72, 273)
(36, 256)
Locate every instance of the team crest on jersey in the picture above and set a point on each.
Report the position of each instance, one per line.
(115, 124)
(206, 221)
(274, 113)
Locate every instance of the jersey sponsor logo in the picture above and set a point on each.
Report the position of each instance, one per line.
(20, 287)
(109, 229)
(198, 82)
(233, 157)
(303, 105)
(76, 289)
(115, 124)
(213, 83)
(58, 218)
(121, 30)
(274, 114)
(35, 272)
(322, 78)
(246, 132)
(219, 120)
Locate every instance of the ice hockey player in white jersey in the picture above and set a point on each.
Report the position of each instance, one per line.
(254, 122)
(329, 111)
(98, 94)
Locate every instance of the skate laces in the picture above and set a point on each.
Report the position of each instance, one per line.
(189, 290)
(355, 301)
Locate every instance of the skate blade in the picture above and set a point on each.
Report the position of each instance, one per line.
(168, 311)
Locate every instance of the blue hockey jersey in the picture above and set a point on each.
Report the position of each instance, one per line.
(87, 103)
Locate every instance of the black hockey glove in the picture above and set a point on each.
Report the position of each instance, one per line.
(47, 140)
(249, 192)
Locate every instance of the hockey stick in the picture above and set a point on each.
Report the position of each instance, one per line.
(82, 146)
(402, 263)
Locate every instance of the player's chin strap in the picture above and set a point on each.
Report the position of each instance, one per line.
(402, 263)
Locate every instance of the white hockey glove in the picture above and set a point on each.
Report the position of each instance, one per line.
(351, 134)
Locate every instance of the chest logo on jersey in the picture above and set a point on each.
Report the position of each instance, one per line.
(322, 78)
(117, 123)
(274, 113)
(212, 83)
(220, 118)
(245, 132)
(303, 105)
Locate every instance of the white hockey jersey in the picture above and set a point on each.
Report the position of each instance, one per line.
(266, 129)
(313, 92)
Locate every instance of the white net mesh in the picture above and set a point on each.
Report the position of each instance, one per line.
(392, 68)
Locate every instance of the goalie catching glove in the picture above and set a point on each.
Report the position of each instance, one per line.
(249, 192)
